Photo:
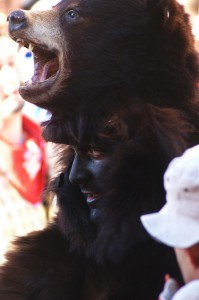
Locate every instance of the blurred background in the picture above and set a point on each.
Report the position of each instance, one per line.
(26, 162)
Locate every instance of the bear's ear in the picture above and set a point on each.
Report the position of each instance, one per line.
(164, 12)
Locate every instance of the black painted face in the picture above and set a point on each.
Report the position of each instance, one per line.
(96, 144)
(88, 171)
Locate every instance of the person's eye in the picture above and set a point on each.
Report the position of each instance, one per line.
(72, 14)
(96, 154)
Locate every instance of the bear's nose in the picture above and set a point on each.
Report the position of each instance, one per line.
(17, 20)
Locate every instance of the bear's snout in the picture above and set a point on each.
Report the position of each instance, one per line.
(17, 20)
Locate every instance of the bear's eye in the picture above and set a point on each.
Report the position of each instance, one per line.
(72, 14)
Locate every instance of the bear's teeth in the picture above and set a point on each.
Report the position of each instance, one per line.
(20, 45)
(31, 47)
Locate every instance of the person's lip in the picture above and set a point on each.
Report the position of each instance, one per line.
(91, 197)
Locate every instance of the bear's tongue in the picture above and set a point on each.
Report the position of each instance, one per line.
(45, 69)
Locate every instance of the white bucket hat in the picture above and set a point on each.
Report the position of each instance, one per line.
(177, 223)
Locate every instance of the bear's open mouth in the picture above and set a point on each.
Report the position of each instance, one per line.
(46, 67)
(46, 63)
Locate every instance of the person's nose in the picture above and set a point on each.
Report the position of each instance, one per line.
(79, 173)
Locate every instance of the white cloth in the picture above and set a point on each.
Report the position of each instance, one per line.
(189, 291)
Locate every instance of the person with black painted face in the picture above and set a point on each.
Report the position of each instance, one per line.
(88, 168)
(110, 179)
(111, 174)
(93, 161)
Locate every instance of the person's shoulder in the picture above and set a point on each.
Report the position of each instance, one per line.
(36, 263)
(45, 239)
(189, 291)
(40, 247)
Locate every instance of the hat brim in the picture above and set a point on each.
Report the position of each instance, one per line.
(172, 229)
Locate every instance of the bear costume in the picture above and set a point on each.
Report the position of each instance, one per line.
(89, 52)
(119, 78)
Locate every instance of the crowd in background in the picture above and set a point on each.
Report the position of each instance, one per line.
(24, 161)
